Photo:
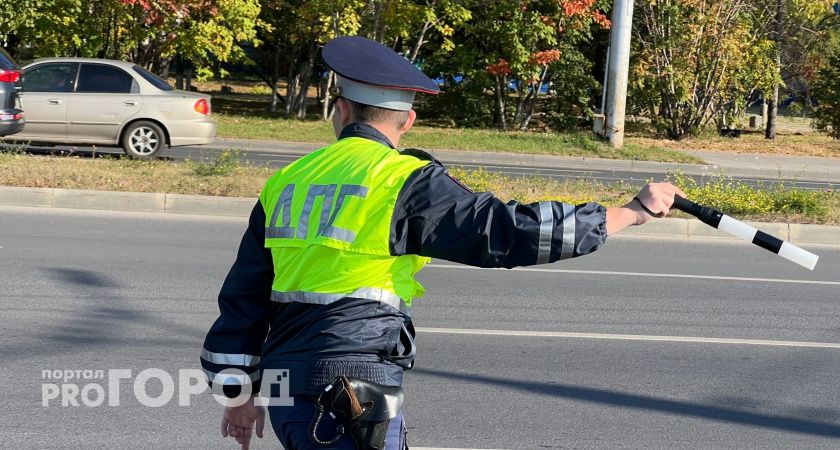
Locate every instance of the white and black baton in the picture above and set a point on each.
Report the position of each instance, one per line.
(721, 221)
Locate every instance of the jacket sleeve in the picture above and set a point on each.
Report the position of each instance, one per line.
(437, 216)
(236, 337)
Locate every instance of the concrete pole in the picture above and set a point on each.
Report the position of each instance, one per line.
(622, 25)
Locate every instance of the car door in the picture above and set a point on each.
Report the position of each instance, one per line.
(106, 96)
(43, 97)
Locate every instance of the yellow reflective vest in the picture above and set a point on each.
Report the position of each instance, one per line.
(328, 225)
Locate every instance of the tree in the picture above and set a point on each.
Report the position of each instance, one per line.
(825, 87)
(294, 32)
(798, 29)
(694, 59)
(61, 27)
(148, 33)
(440, 16)
(529, 39)
(205, 32)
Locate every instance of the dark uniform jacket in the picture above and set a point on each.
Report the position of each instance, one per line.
(435, 216)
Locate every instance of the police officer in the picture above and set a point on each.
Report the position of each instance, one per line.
(324, 278)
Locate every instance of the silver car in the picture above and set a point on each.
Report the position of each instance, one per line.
(106, 102)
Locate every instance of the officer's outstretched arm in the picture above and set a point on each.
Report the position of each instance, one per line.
(235, 339)
(437, 216)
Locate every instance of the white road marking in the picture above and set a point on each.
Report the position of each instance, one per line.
(629, 337)
(441, 448)
(645, 274)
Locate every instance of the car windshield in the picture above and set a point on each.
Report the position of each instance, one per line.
(154, 79)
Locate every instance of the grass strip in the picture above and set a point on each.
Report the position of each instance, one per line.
(561, 144)
(795, 144)
(227, 176)
(771, 203)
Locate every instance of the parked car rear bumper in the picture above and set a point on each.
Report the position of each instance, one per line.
(11, 122)
(190, 132)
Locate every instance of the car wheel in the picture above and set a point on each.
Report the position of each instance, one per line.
(143, 140)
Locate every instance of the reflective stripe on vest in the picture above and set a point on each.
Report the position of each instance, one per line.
(328, 225)
(316, 298)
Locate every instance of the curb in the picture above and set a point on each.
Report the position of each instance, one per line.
(127, 201)
(241, 207)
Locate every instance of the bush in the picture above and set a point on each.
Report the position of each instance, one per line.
(738, 198)
(826, 91)
(227, 163)
(574, 90)
(460, 104)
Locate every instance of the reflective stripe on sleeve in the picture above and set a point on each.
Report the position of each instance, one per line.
(546, 229)
(317, 298)
(568, 248)
(232, 378)
(230, 359)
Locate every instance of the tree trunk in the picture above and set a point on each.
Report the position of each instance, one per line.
(291, 88)
(500, 102)
(188, 74)
(772, 113)
(274, 77)
(292, 83)
(305, 78)
(179, 72)
(764, 113)
(378, 23)
(770, 131)
(420, 42)
(116, 29)
(532, 105)
(325, 98)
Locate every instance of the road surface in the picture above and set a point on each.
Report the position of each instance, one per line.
(649, 343)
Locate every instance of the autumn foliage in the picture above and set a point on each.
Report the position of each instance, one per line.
(501, 67)
(158, 12)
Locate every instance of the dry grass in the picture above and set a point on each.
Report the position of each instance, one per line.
(231, 179)
(535, 188)
(774, 204)
(244, 87)
(806, 144)
(111, 174)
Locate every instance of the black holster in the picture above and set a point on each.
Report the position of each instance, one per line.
(364, 407)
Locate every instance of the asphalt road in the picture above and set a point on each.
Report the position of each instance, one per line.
(86, 290)
(279, 154)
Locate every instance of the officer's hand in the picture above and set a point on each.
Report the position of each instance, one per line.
(238, 422)
(657, 198)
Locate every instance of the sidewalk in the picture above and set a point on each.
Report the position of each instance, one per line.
(731, 164)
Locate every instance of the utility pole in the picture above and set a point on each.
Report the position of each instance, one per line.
(619, 57)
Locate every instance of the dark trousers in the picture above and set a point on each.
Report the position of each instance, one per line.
(291, 424)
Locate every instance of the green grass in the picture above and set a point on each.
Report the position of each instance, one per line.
(774, 200)
(776, 203)
(226, 176)
(567, 144)
(273, 129)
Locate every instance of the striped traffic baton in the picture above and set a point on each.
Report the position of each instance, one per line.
(721, 221)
